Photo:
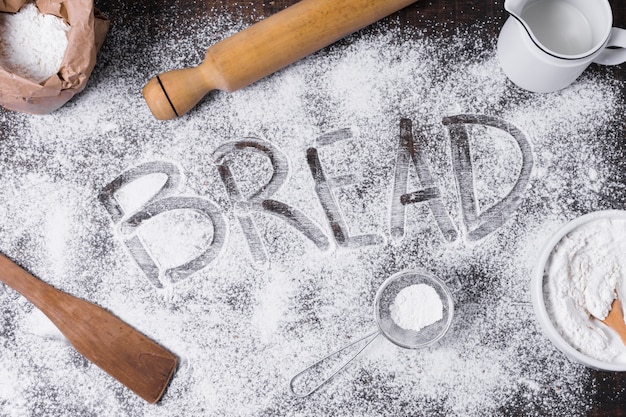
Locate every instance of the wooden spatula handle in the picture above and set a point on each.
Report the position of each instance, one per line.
(35, 290)
(262, 49)
(123, 352)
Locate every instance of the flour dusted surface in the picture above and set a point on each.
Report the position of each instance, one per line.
(243, 329)
(32, 44)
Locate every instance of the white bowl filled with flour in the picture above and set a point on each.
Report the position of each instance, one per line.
(581, 271)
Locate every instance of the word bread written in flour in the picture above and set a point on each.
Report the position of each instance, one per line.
(166, 197)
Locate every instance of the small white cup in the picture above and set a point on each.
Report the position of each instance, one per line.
(546, 44)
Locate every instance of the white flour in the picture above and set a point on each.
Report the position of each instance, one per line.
(243, 329)
(416, 307)
(586, 272)
(32, 44)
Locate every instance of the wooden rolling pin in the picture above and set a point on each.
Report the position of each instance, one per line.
(262, 49)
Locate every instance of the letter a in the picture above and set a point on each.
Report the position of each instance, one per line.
(407, 153)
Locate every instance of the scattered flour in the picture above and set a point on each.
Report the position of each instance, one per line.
(416, 307)
(243, 331)
(32, 44)
(585, 274)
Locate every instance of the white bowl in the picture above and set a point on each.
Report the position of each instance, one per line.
(538, 300)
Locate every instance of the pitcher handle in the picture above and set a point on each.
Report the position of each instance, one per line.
(368, 339)
(617, 39)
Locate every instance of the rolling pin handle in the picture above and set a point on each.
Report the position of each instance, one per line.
(174, 93)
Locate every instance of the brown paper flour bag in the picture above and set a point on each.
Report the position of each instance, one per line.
(88, 28)
(11, 5)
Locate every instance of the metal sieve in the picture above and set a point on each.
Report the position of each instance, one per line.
(408, 339)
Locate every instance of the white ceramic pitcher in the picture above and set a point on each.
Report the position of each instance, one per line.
(546, 44)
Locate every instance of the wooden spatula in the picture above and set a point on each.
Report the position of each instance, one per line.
(120, 350)
(615, 319)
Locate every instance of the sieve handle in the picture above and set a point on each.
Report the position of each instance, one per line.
(368, 339)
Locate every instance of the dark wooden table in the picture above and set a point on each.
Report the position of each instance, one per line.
(438, 16)
(149, 22)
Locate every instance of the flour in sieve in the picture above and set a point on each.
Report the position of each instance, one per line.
(416, 307)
